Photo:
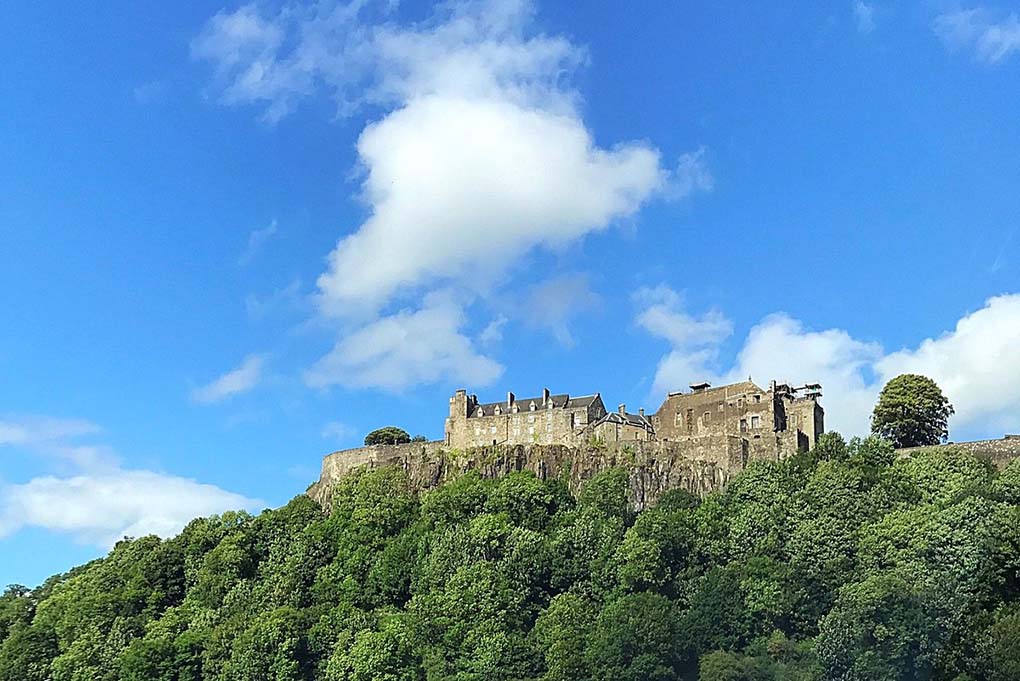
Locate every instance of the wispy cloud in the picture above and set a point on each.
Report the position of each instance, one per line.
(56, 438)
(338, 431)
(991, 39)
(864, 15)
(234, 382)
(553, 303)
(256, 240)
(150, 92)
(286, 297)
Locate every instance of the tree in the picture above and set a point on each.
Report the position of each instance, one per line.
(390, 435)
(912, 412)
(636, 639)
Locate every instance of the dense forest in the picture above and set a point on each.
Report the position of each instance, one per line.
(842, 563)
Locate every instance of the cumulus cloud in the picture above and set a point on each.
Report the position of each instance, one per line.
(975, 364)
(694, 340)
(480, 154)
(101, 508)
(234, 382)
(100, 502)
(256, 240)
(992, 40)
(406, 348)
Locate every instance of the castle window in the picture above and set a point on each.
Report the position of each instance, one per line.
(755, 422)
(757, 399)
(743, 425)
(707, 417)
(492, 430)
(677, 420)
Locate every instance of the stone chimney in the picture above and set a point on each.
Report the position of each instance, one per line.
(622, 409)
(641, 412)
(509, 400)
(545, 396)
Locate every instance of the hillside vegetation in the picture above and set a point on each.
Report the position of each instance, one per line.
(838, 564)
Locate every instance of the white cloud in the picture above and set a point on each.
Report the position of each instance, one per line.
(256, 240)
(479, 156)
(404, 349)
(781, 348)
(100, 501)
(239, 380)
(864, 14)
(692, 175)
(42, 430)
(101, 508)
(336, 430)
(462, 187)
(493, 331)
(976, 29)
(975, 364)
(553, 303)
(283, 298)
(55, 438)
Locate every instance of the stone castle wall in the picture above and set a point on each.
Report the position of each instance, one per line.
(997, 452)
(699, 466)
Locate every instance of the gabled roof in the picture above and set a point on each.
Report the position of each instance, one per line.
(561, 401)
(636, 420)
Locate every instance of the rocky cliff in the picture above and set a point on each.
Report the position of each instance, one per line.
(654, 467)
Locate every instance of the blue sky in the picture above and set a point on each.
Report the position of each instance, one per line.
(235, 238)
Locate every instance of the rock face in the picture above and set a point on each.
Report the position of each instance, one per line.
(654, 467)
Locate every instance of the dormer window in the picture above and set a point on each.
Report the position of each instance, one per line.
(479, 412)
(516, 409)
(549, 405)
(532, 406)
(498, 410)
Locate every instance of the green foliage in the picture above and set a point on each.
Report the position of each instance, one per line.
(389, 435)
(912, 412)
(841, 563)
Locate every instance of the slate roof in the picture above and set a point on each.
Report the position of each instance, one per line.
(561, 401)
(636, 420)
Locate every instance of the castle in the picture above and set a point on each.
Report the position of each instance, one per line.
(759, 423)
(696, 441)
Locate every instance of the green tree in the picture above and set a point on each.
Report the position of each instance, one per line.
(912, 412)
(562, 634)
(877, 631)
(636, 639)
(389, 435)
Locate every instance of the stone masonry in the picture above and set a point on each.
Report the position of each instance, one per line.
(767, 424)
